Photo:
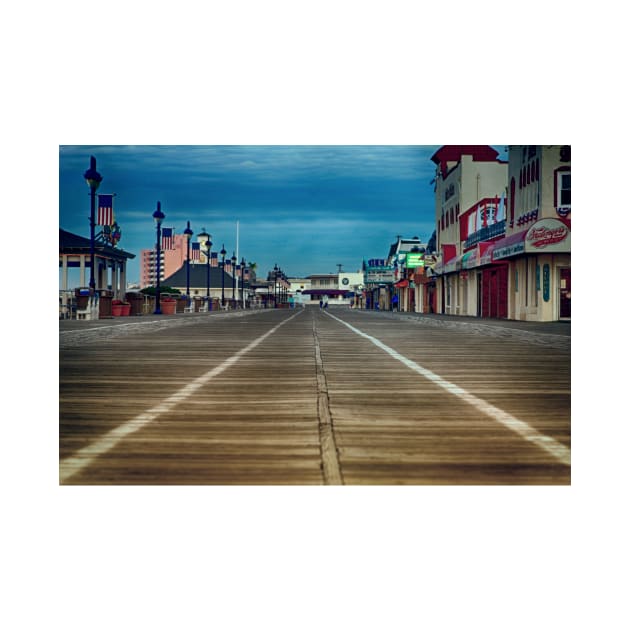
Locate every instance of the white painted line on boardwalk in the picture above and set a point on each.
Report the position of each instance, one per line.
(147, 321)
(85, 456)
(555, 448)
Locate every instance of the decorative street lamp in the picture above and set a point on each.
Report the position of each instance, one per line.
(188, 233)
(275, 285)
(207, 244)
(394, 289)
(243, 263)
(233, 278)
(158, 215)
(223, 253)
(93, 179)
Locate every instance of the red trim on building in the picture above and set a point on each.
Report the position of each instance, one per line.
(448, 253)
(454, 152)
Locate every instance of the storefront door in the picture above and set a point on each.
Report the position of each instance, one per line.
(494, 285)
(565, 293)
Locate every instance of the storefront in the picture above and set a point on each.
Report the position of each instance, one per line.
(484, 283)
(539, 275)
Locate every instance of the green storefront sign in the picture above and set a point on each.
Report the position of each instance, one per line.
(414, 260)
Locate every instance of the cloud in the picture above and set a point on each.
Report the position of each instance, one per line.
(306, 205)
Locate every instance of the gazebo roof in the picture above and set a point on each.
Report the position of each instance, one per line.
(198, 277)
(70, 243)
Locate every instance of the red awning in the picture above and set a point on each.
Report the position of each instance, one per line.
(401, 284)
(509, 246)
(485, 253)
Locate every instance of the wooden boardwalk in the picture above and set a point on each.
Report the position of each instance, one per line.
(298, 397)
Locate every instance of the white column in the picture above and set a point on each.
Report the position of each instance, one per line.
(82, 270)
(123, 279)
(64, 272)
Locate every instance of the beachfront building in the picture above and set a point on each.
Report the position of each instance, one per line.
(468, 178)
(406, 257)
(378, 277)
(536, 249)
(171, 259)
(297, 286)
(334, 288)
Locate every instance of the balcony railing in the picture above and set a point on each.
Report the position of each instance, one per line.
(486, 233)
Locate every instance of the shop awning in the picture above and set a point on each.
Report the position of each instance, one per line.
(329, 292)
(401, 284)
(486, 250)
(480, 255)
(470, 259)
(511, 245)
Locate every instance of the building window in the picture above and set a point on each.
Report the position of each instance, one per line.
(564, 188)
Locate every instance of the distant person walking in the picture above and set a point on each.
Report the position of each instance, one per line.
(395, 302)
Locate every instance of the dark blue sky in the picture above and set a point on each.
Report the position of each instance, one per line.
(306, 208)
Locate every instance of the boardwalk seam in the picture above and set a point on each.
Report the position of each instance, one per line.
(330, 459)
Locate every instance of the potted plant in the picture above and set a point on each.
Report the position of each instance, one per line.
(117, 308)
(168, 305)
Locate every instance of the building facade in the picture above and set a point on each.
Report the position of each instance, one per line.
(537, 245)
(504, 232)
(470, 181)
(170, 261)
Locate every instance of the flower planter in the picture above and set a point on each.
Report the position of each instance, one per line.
(168, 307)
(117, 310)
(125, 309)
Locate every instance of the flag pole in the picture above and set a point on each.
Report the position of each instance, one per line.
(234, 270)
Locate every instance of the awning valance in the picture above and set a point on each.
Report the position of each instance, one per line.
(329, 292)
(546, 235)
(401, 284)
(511, 245)
(470, 259)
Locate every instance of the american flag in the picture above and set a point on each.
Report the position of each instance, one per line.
(214, 259)
(195, 252)
(167, 238)
(105, 210)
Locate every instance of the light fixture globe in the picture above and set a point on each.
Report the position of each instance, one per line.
(92, 177)
(188, 232)
(158, 215)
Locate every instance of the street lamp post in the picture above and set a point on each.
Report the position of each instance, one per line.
(223, 253)
(188, 233)
(275, 286)
(243, 263)
(93, 179)
(207, 243)
(233, 259)
(158, 215)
